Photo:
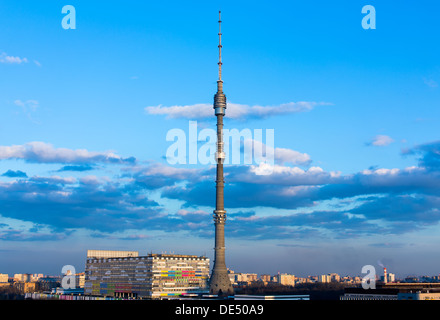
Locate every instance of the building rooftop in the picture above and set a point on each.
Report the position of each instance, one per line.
(111, 254)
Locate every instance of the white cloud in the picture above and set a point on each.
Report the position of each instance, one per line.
(184, 212)
(93, 180)
(291, 156)
(381, 171)
(234, 110)
(159, 169)
(54, 179)
(381, 141)
(190, 111)
(279, 155)
(4, 58)
(297, 191)
(45, 153)
(282, 175)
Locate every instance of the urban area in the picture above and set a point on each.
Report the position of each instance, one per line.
(125, 275)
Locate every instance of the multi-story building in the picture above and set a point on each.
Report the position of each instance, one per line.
(155, 276)
(334, 277)
(391, 277)
(231, 275)
(286, 279)
(25, 287)
(48, 283)
(324, 278)
(4, 278)
(245, 277)
(35, 277)
(299, 280)
(80, 279)
(28, 277)
(265, 278)
(24, 277)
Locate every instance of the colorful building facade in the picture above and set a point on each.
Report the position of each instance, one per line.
(155, 276)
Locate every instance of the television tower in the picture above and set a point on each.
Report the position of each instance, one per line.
(219, 283)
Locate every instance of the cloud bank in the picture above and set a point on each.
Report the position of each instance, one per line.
(234, 110)
(41, 152)
(304, 202)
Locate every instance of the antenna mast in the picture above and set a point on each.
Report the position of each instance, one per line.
(220, 46)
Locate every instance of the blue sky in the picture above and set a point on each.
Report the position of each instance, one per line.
(85, 114)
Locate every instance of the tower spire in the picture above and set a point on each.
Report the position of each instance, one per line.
(220, 46)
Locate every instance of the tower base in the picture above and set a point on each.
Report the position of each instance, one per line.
(220, 284)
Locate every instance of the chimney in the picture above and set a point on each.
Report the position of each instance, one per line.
(385, 280)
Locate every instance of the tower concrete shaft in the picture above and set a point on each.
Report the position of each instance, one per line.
(219, 282)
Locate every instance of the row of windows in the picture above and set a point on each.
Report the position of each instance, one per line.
(160, 260)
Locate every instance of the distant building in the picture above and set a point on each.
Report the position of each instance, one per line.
(80, 279)
(303, 280)
(25, 287)
(155, 276)
(391, 277)
(334, 277)
(35, 277)
(4, 278)
(28, 277)
(265, 278)
(231, 275)
(24, 277)
(324, 278)
(286, 279)
(245, 277)
(48, 283)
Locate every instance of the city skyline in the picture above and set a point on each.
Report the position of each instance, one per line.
(86, 111)
(377, 273)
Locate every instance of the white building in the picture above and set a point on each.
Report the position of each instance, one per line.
(36, 276)
(3, 277)
(24, 277)
(334, 277)
(324, 278)
(245, 277)
(286, 279)
(391, 277)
